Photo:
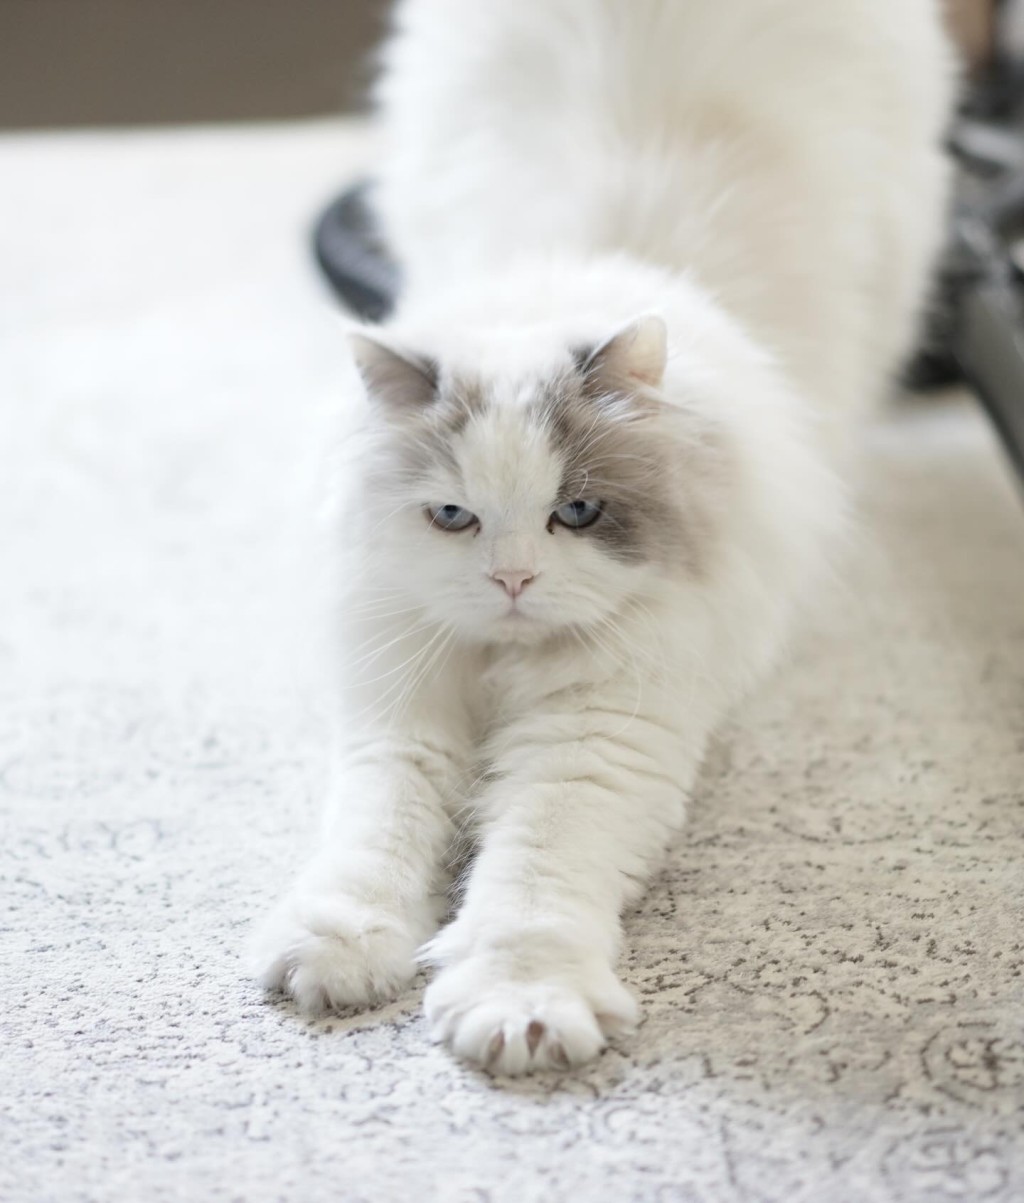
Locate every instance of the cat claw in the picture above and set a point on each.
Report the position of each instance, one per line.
(517, 1027)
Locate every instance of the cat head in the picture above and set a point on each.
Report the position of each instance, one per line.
(513, 504)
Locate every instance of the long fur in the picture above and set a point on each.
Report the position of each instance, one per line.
(659, 256)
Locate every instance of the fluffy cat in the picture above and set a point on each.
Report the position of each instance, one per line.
(658, 256)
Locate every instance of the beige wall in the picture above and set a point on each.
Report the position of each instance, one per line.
(99, 62)
(971, 22)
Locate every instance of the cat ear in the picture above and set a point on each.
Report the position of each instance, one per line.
(636, 355)
(394, 379)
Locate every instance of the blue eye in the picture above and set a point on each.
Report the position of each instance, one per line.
(578, 514)
(451, 517)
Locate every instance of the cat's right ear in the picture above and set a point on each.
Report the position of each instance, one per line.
(399, 382)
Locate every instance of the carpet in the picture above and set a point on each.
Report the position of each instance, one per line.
(829, 965)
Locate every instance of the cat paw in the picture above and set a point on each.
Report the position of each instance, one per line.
(329, 950)
(509, 1025)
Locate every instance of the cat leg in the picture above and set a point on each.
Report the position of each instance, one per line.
(375, 888)
(581, 811)
(347, 932)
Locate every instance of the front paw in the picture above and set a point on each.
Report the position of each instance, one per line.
(514, 1023)
(329, 950)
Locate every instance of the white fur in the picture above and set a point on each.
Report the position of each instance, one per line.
(765, 176)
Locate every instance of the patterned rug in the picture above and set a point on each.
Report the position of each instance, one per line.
(830, 965)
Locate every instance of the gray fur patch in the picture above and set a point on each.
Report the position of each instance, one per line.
(653, 489)
(429, 437)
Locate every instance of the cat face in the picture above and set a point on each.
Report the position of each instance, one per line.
(517, 507)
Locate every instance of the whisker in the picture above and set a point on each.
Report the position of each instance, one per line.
(398, 667)
(379, 650)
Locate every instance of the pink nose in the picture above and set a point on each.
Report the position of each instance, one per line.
(514, 580)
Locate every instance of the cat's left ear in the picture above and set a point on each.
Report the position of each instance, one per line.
(399, 381)
(635, 356)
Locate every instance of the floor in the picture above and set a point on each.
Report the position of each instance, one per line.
(830, 965)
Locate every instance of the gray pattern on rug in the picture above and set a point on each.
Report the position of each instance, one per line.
(830, 964)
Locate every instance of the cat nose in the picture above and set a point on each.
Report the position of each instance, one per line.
(514, 580)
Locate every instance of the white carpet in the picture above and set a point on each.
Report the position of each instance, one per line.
(830, 966)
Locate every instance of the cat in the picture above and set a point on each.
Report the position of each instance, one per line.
(658, 258)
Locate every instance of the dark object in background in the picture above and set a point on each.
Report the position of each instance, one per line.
(981, 280)
(352, 255)
(976, 327)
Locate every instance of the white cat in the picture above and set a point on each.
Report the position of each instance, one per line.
(657, 254)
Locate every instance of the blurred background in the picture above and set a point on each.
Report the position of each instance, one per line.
(115, 62)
